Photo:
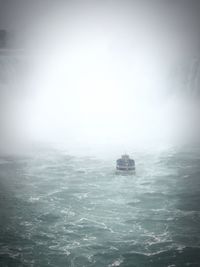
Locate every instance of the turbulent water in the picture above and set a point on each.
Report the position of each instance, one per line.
(62, 210)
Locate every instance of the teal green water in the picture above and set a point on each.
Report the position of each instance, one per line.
(60, 210)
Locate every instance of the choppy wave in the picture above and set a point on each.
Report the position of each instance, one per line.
(58, 210)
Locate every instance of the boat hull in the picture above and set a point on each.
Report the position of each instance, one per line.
(125, 165)
(125, 172)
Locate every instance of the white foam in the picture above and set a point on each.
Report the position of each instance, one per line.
(116, 263)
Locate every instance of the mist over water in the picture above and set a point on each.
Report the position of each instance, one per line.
(107, 74)
(95, 75)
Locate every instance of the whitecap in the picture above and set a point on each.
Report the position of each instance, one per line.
(34, 199)
(116, 263)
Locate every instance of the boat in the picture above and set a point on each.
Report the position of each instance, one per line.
(125, 164)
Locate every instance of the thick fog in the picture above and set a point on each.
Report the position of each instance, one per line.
(100, 74)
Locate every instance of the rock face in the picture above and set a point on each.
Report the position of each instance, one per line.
(12, 95)
(3, 37)
(187, 78)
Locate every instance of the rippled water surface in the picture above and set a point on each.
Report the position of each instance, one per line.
(62, 210)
